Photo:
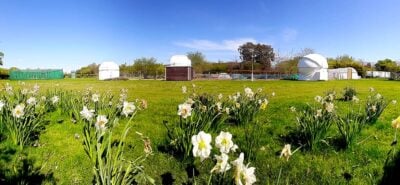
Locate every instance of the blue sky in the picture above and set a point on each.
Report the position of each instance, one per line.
(69, 34)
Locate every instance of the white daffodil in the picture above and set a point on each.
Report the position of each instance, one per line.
(220, 96)
(329, 107)
(273, 93)
(237, 105)
(222, 164)
(128, 108)
(243, 174)
(1, 105)
(249, 93)
(219, 106)
(355, 99)
(373, 108)
(238, 163)
(394, 102)
(24, 91)
(36, 87)
(18, 111)
(55, 99)
(371, 89)
(378, 96)
(234, 147)
(31, 101)
(396, 123)
(201, 145)
(86, 113)
(184, 89)
(318, 99)
(227, 110)
(224, 142)
(190, 101)
(101, 122)
(286, 152)
(95, 97)
(8, 88)
(319, 113)
(185, 110)
(293, 109)
(248, 175)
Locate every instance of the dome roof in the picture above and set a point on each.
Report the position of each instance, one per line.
(180, 60)
(313, 61)
(108, 66)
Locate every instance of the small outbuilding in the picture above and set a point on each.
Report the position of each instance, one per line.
(108, 70)
(179, 69)
(313, 67)
(378, 74)
(347, 73)
(36, 74)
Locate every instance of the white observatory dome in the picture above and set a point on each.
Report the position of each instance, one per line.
(313, 67)
(108, 70)
(180, 60)
(108, 66)
(313, 61)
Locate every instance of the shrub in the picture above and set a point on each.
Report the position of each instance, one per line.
(349, 93)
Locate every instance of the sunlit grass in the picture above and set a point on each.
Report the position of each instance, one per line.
(62, 153)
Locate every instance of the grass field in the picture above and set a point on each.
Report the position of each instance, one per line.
(61, 154)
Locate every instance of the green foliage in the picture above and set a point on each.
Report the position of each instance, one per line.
(374, 107)
(88, 71)
(349, 126)
(347, 61)
(315, 121)
(143, 68)
(243, 108)
(199, 62)
(206, 115)
(1, 58)
(260, 53)
(288, 66)
(349, 93)
(386, 65)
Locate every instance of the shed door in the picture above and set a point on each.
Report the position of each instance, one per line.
(349, 74)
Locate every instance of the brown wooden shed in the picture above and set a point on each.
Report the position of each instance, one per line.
(180, 69)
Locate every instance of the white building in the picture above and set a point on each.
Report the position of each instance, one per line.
(180, 69)
(347, 73)
(378, 74)
(313, 67)
(108, 70)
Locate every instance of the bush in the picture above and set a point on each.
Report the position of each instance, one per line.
(349, 93)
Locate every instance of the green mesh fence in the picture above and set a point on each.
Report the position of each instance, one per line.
(37, 74)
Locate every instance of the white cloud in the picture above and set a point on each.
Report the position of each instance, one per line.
(208, 45)
(289, 34)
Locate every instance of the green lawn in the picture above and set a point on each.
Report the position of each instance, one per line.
(62, 155)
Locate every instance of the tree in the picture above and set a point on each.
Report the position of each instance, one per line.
(1, 58)
(199, 62)
(90, 70)
(146, 66)
(347, 61)
(260, 53)
(386, 65)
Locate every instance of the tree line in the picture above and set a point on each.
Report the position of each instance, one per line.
(255, 57)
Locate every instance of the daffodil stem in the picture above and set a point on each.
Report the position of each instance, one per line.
(209, 179)
(279, 176)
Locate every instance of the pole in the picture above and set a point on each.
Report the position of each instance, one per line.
(252, 66)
